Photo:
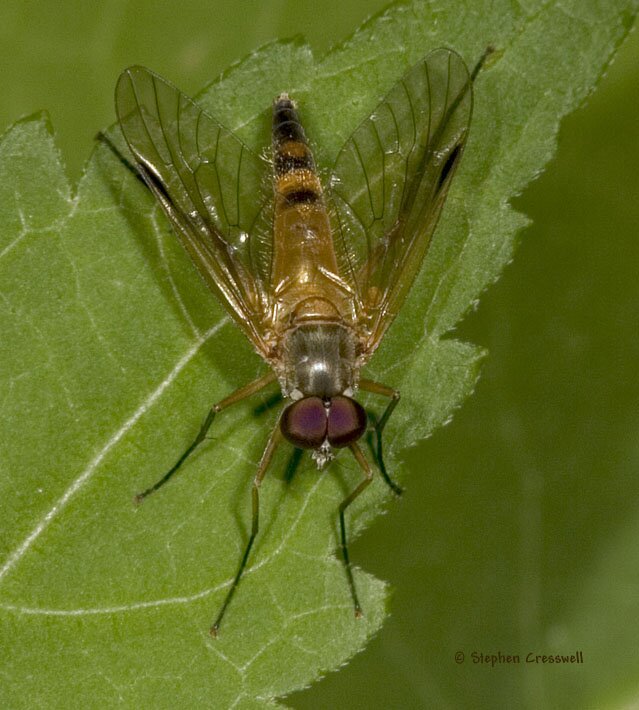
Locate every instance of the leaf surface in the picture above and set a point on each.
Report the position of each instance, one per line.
(112, 351)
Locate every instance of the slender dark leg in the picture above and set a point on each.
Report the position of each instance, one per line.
(377, 388)
(274, 440)
(233, 398)
(368, 473)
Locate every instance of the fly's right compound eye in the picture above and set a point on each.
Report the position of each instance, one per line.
(305, 423)
(346, 421)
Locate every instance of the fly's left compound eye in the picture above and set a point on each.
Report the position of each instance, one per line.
(304, 423)
(346, 421)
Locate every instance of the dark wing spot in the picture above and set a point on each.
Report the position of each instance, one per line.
(154, 183)
(450, 163)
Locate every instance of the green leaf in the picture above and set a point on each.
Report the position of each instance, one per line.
(112, 350)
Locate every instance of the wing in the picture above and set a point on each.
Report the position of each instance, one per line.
(390, 181)
(201, 174)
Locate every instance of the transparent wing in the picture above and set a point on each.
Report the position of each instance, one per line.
(390, 181)
(201, 174)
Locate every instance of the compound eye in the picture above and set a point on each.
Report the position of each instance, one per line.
(304, 423)
(346, 421)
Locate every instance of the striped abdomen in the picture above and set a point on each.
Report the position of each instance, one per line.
(296, 180)
(306, 283)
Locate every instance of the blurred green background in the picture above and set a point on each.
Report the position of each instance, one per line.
(519, 529)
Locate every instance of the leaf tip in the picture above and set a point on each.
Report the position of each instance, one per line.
(41, 117)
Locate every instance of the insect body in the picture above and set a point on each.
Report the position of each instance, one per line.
(317, 348)
(312, 277)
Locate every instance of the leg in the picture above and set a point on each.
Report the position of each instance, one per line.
(376, 388)
(237, 396)
(273, 441)
(368, 473)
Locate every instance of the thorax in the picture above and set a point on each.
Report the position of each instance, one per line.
(318, 358)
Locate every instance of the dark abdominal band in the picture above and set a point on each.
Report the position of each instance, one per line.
(302, 197)
(286, 163)
(286, 123)
(294, 164)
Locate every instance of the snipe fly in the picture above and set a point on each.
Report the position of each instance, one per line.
(314, 274)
